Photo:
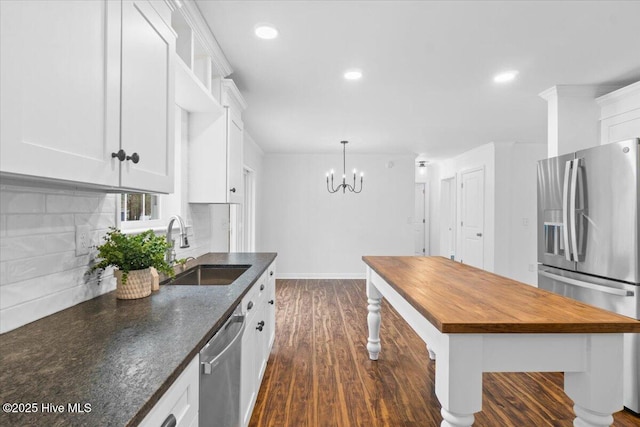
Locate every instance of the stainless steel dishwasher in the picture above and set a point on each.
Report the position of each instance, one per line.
(220, 375)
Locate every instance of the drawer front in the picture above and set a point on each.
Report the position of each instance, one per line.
(250, 302)
(181, 400)
(254, 298)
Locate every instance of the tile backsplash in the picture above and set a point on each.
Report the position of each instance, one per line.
(40, 273)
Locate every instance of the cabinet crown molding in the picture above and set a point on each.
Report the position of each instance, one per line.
(232, 95)
(620, 101)
(201, 30)
(576, 91)
(618, 94)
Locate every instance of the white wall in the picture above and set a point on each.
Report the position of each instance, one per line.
(510, 205)
(317, 234)
(521, 203)
(253, 158)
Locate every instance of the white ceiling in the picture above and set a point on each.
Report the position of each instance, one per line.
(428, 68)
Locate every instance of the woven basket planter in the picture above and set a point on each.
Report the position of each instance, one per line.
(138, 284)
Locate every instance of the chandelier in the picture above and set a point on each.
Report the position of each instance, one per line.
(344, 184)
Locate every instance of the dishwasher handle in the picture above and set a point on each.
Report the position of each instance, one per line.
(210, 364)
(592, 286)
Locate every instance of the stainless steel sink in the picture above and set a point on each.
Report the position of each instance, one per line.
(210, 275)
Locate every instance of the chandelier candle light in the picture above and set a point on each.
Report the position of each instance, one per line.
(344, 184)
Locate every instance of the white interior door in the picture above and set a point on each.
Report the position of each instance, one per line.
(448, 213)
(472, 217)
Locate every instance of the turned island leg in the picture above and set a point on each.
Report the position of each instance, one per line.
(459, 379)
(373, 320)
(597, 391)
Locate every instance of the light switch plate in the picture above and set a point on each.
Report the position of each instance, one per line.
(83, 241)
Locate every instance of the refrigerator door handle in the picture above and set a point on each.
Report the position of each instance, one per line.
(593, 286)
(572, 209)
(565, 210)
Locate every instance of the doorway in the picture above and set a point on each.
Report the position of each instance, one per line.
(249, 208)
(420, 223)
(472, 217)
(448, 213)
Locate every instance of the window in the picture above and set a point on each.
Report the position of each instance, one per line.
(139, 211)
(138, 207)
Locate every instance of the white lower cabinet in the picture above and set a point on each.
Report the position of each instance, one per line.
(248, 390)
(271, 308)
(180, 401)
(257, 340)
(182, 398)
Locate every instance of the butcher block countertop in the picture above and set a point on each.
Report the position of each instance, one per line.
(458, 298)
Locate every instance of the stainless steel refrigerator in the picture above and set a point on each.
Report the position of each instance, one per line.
(588, 237)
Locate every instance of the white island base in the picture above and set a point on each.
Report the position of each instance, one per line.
(591, 362)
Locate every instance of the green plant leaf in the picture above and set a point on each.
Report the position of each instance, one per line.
(129, 252)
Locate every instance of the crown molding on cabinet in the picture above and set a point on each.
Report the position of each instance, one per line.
(620, 101)
(576, 91)
(192, 15)
(233, 95)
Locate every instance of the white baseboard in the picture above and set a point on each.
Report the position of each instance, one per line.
(321, 275)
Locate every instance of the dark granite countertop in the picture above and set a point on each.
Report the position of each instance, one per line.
(117, 356)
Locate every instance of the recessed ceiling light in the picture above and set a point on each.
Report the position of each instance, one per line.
(506, 76)
(353, 75)
(266, 31)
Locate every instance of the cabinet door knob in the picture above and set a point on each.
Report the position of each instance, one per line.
(121, 155)
(271, 273)
(260, 325)
(250, 305)
(271, 302)
(170, 421)
(262, 287)
(134, 158)
(233, 190)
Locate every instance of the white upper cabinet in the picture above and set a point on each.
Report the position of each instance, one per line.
(81, 80)
(147, 105)
(620, 114)
(235, 140)
(60, 89)
(216, 151)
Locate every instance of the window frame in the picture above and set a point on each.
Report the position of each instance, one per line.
(134, 226)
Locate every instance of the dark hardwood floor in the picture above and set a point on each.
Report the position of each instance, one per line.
(319, 372)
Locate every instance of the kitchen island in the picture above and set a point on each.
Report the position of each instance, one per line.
(474, 321)
(107, 361)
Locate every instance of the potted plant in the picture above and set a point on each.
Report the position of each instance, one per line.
(180, 264)
(133, 255)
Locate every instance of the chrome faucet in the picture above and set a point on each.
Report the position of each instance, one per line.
(184, 242)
